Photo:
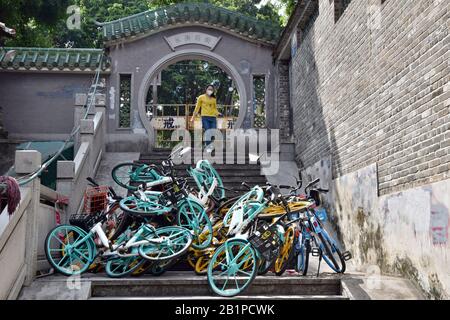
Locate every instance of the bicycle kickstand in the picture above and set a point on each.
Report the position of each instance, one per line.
(318, 267)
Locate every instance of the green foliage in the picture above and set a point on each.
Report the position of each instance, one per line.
(34, 20)
(42, 23)
(184, 81)
(290, 6)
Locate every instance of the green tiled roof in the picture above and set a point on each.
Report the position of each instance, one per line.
(54, 59)
(190, 13)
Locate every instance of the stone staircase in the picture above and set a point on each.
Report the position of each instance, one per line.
(232, 174)
(184, 285)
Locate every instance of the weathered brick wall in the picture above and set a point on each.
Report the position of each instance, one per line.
(374, 87)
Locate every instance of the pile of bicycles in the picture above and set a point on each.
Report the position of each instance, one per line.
(164, 219)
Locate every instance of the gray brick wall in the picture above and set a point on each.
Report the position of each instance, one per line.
(375, 87)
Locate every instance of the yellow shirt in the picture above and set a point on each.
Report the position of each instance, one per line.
(207, 106)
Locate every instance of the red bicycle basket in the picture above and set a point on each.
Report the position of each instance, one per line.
(95, 199)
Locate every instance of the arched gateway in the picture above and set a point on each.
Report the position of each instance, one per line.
(141, 46)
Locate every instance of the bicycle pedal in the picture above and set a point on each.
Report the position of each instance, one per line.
(347, 255)
(315, 252)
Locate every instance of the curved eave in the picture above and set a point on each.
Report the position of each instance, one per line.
(74, 60)
(138, 36)
(53, 70)
(146, 23)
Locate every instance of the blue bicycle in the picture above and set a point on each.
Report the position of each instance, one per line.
(313, 238)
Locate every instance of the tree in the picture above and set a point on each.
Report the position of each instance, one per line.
(43, 22)
(33, 20)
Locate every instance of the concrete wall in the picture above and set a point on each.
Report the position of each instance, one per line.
(371, 95)
(19, 232)
(40, 106)
(71, 175)
(138, 57)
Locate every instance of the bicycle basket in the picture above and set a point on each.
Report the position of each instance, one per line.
(95, 199)
(265, 240)
(84, 221)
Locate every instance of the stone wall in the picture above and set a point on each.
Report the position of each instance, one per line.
(374, 87)
(371, 93)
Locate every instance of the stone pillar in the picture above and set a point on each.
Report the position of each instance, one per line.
(26, 162)
(80, 111)
(65, 173)
(87, 128)
(100, 106)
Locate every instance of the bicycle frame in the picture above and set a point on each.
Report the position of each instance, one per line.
(237, 222)
(199, 176)
(112, 249)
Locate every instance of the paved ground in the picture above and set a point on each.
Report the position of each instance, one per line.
(109, 161)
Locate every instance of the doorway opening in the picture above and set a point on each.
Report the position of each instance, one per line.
(173, 93)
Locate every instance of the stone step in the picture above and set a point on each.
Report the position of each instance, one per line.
(229, 173)
(181, 284)
(194, 160)
(218, 167)
(239, 179)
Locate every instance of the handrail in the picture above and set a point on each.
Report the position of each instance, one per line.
(227, 109)
(90, 101)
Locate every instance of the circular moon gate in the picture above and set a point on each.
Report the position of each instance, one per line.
(190, 54)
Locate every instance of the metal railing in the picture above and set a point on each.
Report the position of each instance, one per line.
(182, 110)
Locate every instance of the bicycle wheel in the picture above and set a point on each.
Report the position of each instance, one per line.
(232, 268)
(116, 223)
(331, 253)
(166, 243)
(192, 259)
(264, 266)
(201, 267)
(222, 210)
(159, 268)
(69, 249)
(286, 252)
(302, 258)
(134, 205)
(143, 268)
(191, 215)
(122, 175)
(122, 266)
